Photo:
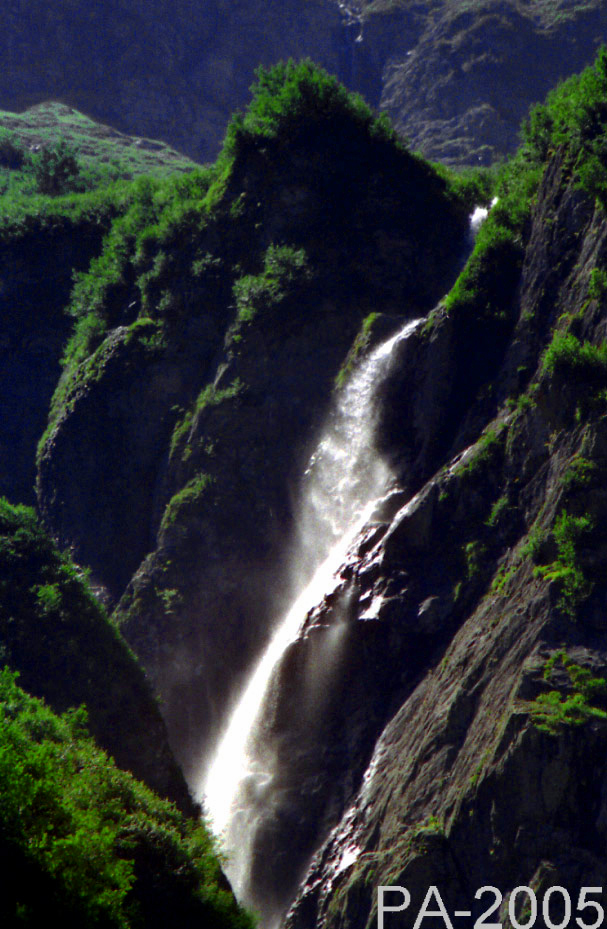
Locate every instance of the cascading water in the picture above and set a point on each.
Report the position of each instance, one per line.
(341, 486)
(344, 480)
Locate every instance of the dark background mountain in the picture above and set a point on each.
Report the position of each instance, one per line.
(456, 77)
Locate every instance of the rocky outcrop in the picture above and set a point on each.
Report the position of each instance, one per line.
(458, 84)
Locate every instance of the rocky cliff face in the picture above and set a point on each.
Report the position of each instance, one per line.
(480, 650)
(456, 78)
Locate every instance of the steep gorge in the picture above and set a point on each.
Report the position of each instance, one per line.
(462, 736)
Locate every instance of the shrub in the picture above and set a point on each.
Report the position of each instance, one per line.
(567, 355)
(554, 709)
(283, 267)
(106, 850)
(565, 570)
(293, 96)
(56, 170)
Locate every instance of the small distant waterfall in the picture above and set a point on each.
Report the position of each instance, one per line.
(342, 483)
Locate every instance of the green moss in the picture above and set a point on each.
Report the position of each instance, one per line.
(190, 495)
(498, 511)
(360, 346)
(474, 553)
(485, 451)
(214, 396)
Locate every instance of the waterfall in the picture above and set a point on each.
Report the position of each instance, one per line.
(341, 486)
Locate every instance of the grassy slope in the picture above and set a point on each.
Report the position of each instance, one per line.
(49, 123)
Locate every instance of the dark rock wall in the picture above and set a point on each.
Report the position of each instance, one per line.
(466, 786)
(36, 277)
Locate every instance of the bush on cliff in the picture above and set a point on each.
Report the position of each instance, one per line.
(83, 843)
(575, 116)
(53, 631)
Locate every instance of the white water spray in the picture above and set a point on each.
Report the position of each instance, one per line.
(343, 481)
(341, 487)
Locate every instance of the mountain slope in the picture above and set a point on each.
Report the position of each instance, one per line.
(456, 77)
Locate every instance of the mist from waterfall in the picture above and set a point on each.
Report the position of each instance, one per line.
(340, 488)
(342, 484)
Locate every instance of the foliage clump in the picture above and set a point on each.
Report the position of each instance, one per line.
(284, 267)
(574, 116)
(568, 356)
(565, 570)
(587, 699)
(290, 97)
(85, 843)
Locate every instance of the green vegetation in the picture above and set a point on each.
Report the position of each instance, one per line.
(292, 97)
(54, 632)
(52, 148)
(88, 844)
(574, 116)
(188, 496)
(360, 346)
(485, 452)
(213, 396)
(580, 473)
(498, 511)
(588, 699)
(597, 285)
(567, 356)
(474, 553)
(284, 268)
(565, 570)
